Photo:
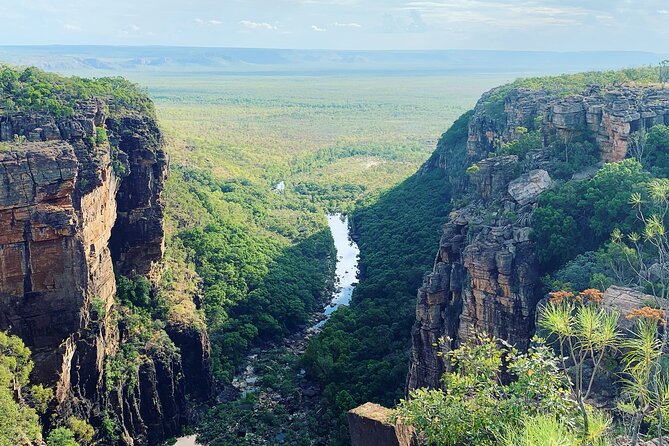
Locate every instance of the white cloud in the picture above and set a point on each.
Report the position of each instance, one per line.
(135, 28)
(71, 27)
(318, 29)
(212, 22)
(248, 24)
(663, 11)
(347, 25)
(509, 15)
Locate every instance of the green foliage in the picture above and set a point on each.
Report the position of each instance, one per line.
(573, 155)
(664, 72)
(565, 85)
(475, 407)
(540, 430)
(61, 436)
(657, 151)
(254, 290)
(109, 429)
(82, 431)
(134, 292)
(595, 269)
(101, 136)
(267, 415)
(584, 334)
(362, 349)
(474, 168)
(41, 397)
(526, 142)
(550, 430)
(579, 216)
(19, 423)
(31, 89)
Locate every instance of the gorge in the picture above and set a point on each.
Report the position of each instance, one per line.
(156, 301)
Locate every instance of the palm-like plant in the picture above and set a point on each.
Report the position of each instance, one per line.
(584, 333)
(645, 386)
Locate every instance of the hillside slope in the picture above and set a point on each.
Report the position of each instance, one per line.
(83, 169)
(523, 140)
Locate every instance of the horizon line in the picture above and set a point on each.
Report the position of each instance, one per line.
(416, 50)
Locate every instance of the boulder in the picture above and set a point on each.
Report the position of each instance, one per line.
(527, 188)
(371, 425)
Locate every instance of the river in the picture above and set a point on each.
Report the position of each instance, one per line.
(346, 272)
(346, 278)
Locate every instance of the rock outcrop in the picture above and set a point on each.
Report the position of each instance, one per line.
(371, 425)
(76, 208)
(611, 114)
(485, 278)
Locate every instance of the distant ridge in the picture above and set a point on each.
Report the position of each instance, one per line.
(104, 59)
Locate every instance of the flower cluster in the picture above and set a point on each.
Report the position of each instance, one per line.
(649, 313)
(557, 297)
(591, 295)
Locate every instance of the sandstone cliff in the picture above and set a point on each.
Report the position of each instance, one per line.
(79, 203)
(485, 278)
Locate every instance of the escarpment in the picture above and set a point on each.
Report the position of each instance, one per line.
(80, 202)
(517, 144)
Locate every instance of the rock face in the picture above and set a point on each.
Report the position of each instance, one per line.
(370, 425)
(63, 205)
(485, 278)
(138, 237)
(526, 188)
(610, 113)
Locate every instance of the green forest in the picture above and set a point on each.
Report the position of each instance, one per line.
(253, 263)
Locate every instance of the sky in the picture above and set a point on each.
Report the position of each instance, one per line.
(552, 25)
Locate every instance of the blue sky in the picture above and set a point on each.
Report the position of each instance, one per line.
(560, 25)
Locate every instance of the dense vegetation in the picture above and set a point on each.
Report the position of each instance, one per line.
(607, 227)
(31, 89)
(566, 84)
(260, 258)
(263, 254)
(361, 354)
(23, 406)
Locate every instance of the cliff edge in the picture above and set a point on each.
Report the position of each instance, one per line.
(82, 169)
(519, 141)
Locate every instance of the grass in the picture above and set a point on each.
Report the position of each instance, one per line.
(257, 127)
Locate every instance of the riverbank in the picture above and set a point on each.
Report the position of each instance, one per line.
(271, 401)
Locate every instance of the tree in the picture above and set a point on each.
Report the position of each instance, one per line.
(584, 333)
(61, 436)
(650, 263)
(637, 144)
(664, 72)
(475, 407)
(19, 423)
(645, 385)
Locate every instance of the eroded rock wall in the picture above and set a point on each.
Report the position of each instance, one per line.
(73, 212)
(485, 278)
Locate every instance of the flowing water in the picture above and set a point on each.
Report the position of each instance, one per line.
(346, 273)
(346, 277)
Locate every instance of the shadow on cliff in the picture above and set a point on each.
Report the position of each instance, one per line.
(362, 353)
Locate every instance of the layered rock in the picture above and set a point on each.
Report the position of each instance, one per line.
(138, 238)
(372, 425)
(484, 281)
(75, 210)
(485, 278)
(611, 114)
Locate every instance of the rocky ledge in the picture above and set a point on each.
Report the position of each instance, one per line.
(485, 278)
(80, 200)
